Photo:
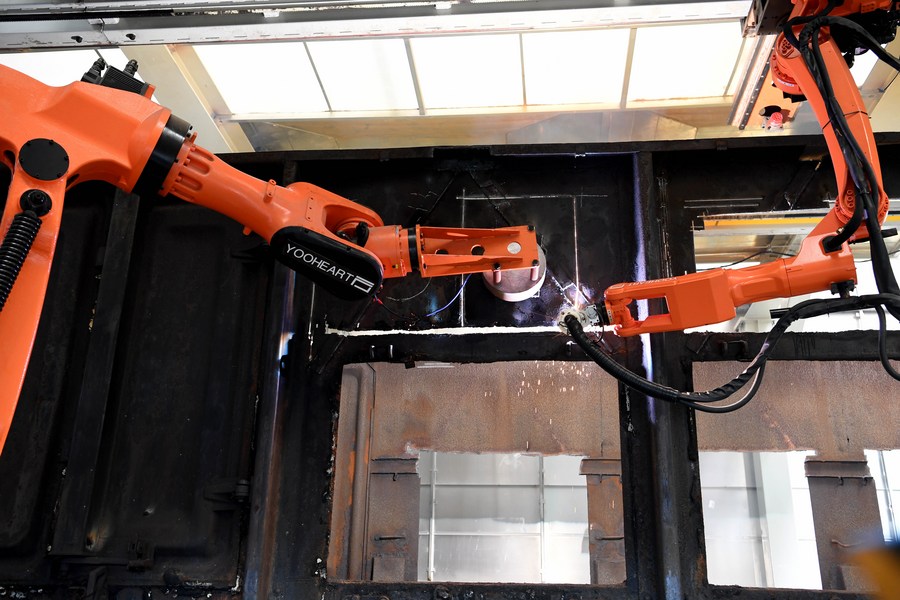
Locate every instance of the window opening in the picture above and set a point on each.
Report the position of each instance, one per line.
(758, 520)
(502, 518)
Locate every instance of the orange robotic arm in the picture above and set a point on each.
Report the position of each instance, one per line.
(711, 296)
(52, 138)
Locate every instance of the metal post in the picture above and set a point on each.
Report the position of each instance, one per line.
(270, 430)
(432, 522)
(664, 523)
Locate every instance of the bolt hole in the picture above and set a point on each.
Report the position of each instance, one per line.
(78, 39)
(477, 250)
(442, 251)
(131, 36)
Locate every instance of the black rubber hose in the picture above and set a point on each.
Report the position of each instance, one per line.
(803, 310)
(814, 62)
(882, 345)
(788, 28)
(719, 409)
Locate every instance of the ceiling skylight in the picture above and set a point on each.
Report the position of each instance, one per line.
(575, 67)
(365, 74)
(264, 78)
(469, 71)
(684, 61)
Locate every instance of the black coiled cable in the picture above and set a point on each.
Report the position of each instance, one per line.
(754, 371)
(14, 249)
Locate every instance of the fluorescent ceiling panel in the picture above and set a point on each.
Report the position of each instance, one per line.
(469, 71)
(62, 67)
(264, 78)
(575, 67)
(684, 61)
(365, 74)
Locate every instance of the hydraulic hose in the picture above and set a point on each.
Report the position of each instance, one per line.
(803, 310)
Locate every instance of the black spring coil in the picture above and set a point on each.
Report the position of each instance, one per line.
(16, 245)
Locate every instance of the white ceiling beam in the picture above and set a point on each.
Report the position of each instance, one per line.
(629, 63)
(183, 85)
(414, 73)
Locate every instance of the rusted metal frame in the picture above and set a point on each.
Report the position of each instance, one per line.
(729, 592)
(375, 499)
(605, 519)
(639, 528)
(392, 522)
(481, 591)
(268, 461)
(663, 515)
(353, 439)
(843, 346)
(845, 513)
(644, 494)
(298, 546)
(473, 348)
(435, 348)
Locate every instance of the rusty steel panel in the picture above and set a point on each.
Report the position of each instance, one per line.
(351, 469)
(846, 518)
(537, 407)
(606, 521)
(837, 409)
(392, 524)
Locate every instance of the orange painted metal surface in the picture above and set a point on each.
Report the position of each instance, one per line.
(264, 207)
(712, 296)
(450, 251)
(108, 135)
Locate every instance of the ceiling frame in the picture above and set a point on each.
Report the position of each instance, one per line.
(118, 27)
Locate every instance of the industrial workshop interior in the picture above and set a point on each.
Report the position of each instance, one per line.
(449, 300)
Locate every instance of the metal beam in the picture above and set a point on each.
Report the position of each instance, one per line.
(629, 63)
(270, 432)
(175, 24)
(664, 522)
(317, 10)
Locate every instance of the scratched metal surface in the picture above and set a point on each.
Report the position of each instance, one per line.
(580, 206)
(804, 406)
